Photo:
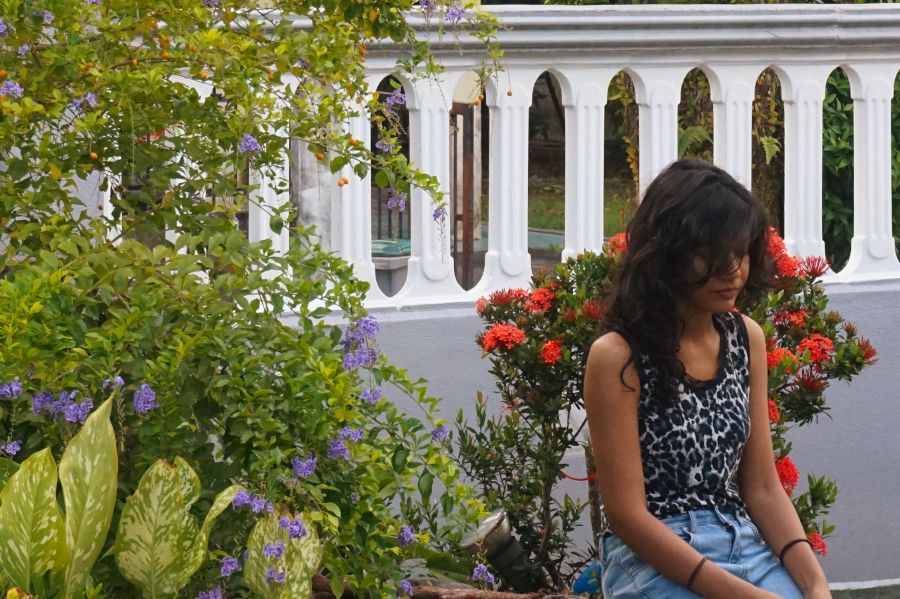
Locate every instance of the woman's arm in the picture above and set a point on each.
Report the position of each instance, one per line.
(612, 411)
(769, 506)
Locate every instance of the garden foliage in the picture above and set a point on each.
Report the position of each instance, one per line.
(538, 341)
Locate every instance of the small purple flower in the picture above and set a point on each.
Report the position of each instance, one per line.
(246, 555)
(116, 381)
(427, 6)
(455, 13)
(94, 2)
(304, 468)
(230, 565)
(297, 530)
(15, 389)
(249, 144)
(396, 199)
(303, 64)
(361, 358)
(3, 28)
(144, 399)
(23, 50)
(395, 99)
(480, 573)
(11, 89)
(274, 575)
(351, 433)
(406, 536)
(371, 396)
(385, 145)
(242, 498)
(48, 17)
(258, 504)
(11, 448)
(368, 326)
(284, 522)
(275, 551)
(337, 449)
(354, 498)
(91, 99)
(42, 400)
(216, 593)
(404, 588)
(440, 434)
(439, 213)
(212, 3)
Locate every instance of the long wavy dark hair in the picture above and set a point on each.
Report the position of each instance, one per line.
(691, 209)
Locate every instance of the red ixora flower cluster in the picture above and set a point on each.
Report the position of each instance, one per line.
(818, 543)
(787, 474)
(868, 351)
(789, 319)
(506, 335)
(820, 348)
(774, 414)
(617, 244)
(551, 351)
(788, 266)
(540, 300)
(778, 355)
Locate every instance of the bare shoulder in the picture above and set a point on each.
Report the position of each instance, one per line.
(609, 355)
(754, 332)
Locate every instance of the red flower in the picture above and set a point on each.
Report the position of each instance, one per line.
(789, 319)
(787, 474)
(818, 542)
(850, 328)
(617, 244)
(540, 300)
(480, 305)
(502, 334)
(868, 351)
(820, 348)
(506, 296)
(775, 245)
(774, 414)
(811, 381)
(783, 356)
(592, 309)
(816, 266)
(552, 351)
(789, 266)
(569, 315)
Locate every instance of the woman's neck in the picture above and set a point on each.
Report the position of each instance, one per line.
(698, 322)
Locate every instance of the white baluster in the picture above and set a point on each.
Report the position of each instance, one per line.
(658, 92)
(872, 253)
(585, 119)
(803, 91)
(732, 88)
(507, 262)
(430, 271)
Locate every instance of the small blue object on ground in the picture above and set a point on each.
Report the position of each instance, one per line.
(588, 581)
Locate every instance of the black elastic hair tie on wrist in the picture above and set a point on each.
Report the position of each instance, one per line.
(697, 569)
(791, 544)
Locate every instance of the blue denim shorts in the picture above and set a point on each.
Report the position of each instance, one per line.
(730, 541)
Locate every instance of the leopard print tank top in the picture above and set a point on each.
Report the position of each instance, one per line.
(691, 451)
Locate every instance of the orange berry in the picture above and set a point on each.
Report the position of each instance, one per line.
(193, 48)
(268, 69)
(165, 54)
(509, 93)
(154, 25)
(204, 75)
(89, 66)
(99, 206)
(480, 97)
(476, 102)
(319, 156)
(271, 77)
(352, 142)
(134, 62)
(93, 155)
(341, 183)
(3, 73)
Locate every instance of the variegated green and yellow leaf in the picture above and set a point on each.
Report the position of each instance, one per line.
(198, 551)
(301, 559)
(190, 482)
(87, 472)
(32, 533)
(257, 565)
(310, 546)
(150, 539)
(7, 469)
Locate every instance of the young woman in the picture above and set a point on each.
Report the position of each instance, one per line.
(675, 392)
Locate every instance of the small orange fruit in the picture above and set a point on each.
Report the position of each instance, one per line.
(476, 102)
(165, 54)
(99, 206)
(3, 73)
(352, 142)
(134, 62)
(341, 183)
(193, 48)
(480, 97)
(89, 65)
(204, 75)
(509, 93)
(268, 69)
(271, 77)
(154, 25)
(319, 156)
(93, 155)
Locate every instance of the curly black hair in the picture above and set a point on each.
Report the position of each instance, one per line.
(692, 208)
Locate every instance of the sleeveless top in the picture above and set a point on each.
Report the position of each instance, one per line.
(691, 450)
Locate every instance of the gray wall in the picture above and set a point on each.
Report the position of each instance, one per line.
(858, 445)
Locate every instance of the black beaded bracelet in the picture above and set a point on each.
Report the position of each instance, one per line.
(697, 569)
(791, 544)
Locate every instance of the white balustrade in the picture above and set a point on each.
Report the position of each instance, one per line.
(584, 46)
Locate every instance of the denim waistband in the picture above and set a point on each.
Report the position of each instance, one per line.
(689, 520)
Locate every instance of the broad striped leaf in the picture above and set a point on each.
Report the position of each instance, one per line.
(301, 559)
(87, 472)
(190, 482)
(198, 551)
(257, 565)
(150, 539)
(32, 533)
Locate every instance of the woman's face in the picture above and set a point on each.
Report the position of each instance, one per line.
(718, 294)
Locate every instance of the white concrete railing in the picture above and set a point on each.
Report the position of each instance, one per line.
(584, 47)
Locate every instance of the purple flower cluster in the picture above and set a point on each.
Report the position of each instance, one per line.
(212, 3)
(337, 449)
(395, 99)
(256, 503)
(249, 144)
(295, 527)
(274, 575)
(361, 358)
(11, 391)
(70, 410)
(356, 335)
(455, 13)
(95, 2)
(11, 448)
(216, 593)
(440, 434)
(351, 433)
(439, 213)
(303, 64)
(11, 88)
(427, 6)
(3, 28)
(406, 536)
(144, 399)
(481, 574)
(304, 468)
(230, 565)
(48, 17)
(275, 551)
(116, 381)
(90, 98)
(371, 396)
(396, 199)
(23, 49)
(404, 588)
(354, 498)
(385, 145)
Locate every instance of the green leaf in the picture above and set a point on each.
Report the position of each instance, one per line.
(190, 483)
(87, 471)
(771, 146)
(7, 469)
(381, 179)
(150, 540)
(31, 526)
(197, 554)
(690, 137)
(398, 461)
(301, 559)
(426, 481)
